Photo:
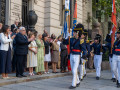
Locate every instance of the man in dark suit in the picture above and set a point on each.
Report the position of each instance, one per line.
(64, 55)
(22, 43)
(15, 25)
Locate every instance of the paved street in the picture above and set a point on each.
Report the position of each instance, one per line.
(62, 83)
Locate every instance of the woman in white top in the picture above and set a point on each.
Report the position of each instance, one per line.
(5, 51)
(32, 55)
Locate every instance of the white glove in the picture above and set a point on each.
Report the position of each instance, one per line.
(110, 32)
(68, 34)
(101, 53)
(103, 44)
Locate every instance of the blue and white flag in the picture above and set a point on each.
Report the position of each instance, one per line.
(67, 5)
(67, 12)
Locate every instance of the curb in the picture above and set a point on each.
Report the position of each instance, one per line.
(14, 80)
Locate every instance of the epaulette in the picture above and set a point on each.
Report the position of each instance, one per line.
(87, 41)
(81, 41)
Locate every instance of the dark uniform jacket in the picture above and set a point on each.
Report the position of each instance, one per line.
(75, 45)
(85, 48)
(116, 47)
(97, 48)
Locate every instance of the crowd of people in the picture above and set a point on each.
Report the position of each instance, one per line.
(21, 49)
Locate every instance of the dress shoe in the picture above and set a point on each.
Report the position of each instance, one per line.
(65, 71)
(112, 79)
(78, 84)
(118, 86)
(97, 78)
(84, 76)
(19, 76)
(56, 72)
(72, 87)
(62, 71)
(23, 75)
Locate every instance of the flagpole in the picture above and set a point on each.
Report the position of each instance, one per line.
(69, 28)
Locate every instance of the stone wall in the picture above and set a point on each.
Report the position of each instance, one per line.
(87, 7)
(49, 13)
(52, 16)
(39, 8)
(13, 11)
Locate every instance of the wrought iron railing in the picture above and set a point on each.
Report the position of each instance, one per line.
(25, 9)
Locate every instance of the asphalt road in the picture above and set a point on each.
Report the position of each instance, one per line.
(63, 83)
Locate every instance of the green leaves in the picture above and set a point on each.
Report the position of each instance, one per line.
(106, 5)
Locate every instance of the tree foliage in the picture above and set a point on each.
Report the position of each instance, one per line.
(105, 6)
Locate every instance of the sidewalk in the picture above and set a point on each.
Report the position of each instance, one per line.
(14, 80)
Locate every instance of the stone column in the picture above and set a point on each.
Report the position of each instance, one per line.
(52, 16)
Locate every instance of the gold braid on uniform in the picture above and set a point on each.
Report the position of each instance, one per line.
(81, 41)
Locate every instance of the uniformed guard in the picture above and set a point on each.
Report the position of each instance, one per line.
(116, 59)
(108, 45)
(98, 50)
(75, 52)
(85, 53)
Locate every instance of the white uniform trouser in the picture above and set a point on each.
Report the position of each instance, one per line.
(97, 64)
(74, 61)
(82, 69)
(84, 66)
(110, 60)
(116, 66)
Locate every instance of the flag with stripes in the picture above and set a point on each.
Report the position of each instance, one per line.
(113, 20)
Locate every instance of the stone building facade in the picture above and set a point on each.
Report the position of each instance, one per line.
(50, 13)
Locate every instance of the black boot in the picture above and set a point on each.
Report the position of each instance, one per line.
(118, 86)
(117, 82)
(114, 80)
(78, 84)
(72, 87)
(97, 78)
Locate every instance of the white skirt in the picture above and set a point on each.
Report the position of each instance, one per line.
(47, 57)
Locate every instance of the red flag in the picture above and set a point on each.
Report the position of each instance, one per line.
(113, 20)
(75, 11)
